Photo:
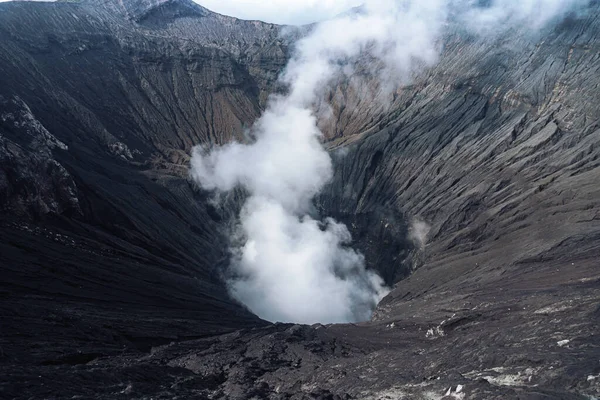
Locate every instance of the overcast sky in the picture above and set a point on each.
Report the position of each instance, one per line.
(279, 11)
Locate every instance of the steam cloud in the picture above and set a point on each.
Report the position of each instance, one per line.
(418, 232)
(290, 266)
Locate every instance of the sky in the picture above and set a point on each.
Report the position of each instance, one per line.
(281, 11)
(294, 12)
(299, 12)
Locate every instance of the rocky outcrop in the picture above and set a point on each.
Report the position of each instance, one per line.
(32, 182)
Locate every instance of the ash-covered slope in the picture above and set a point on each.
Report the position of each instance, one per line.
(105, 243)
(106, 247)
(496, 152)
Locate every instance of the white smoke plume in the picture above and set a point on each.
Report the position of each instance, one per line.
(291, 267)
(506, 14)
(418, 232)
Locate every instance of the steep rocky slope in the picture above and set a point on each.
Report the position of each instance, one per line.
(495, 150)
(104, 240)
(108, 252)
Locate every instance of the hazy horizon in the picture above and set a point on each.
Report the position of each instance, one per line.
(288, 12)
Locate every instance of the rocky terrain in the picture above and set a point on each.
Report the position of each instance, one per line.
(475, 194)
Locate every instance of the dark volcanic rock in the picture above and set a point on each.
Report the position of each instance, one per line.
(476, 193)
(32, 182)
